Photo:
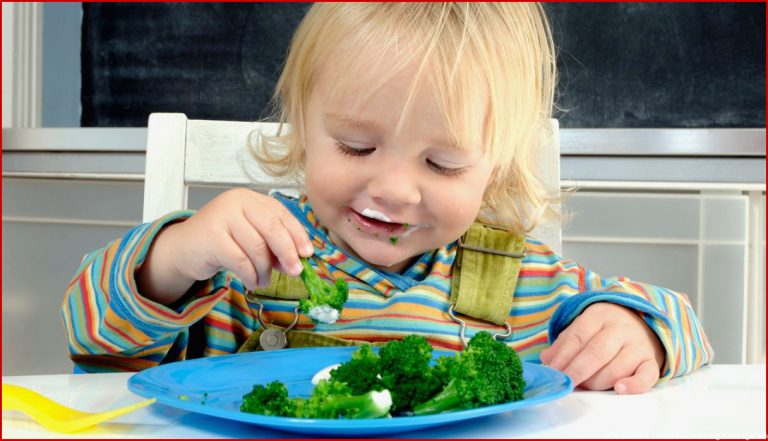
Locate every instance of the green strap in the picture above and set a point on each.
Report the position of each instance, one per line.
(300, 339)
(485, 273)
(282, 286)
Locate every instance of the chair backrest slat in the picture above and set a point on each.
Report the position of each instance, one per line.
(164, 186)
(216, 149)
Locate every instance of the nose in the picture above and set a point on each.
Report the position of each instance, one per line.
(394, 185)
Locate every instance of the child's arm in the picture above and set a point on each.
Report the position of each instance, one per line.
(112, 325)
(600, 363)
(608, 346)
(240, 230)
(606, 330)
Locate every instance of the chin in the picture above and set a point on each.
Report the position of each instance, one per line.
(379, 258)
(377, 255)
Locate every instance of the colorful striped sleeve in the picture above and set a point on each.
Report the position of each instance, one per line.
(111, 327)
(552, 291)
(668, 313)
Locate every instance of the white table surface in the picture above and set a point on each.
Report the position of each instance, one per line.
(720, 401)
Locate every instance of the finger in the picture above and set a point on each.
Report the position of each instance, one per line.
(255, 248)
(645, 377)
(598, 352)
(278, 240)
(277, 266)
(232, 257)
(621, 366)
(571, 341)
(296, 230)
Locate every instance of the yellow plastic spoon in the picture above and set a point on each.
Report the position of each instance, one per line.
(55, 417)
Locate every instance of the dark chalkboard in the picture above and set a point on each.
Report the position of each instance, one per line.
(661, 64)
(208, 60)
(621, 65)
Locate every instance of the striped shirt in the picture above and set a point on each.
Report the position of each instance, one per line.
(111, 327)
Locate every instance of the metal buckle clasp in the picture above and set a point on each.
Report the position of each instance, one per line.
(463, 327)
(272, 337)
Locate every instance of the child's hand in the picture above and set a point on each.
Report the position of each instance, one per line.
(241, 230)
(608, 346)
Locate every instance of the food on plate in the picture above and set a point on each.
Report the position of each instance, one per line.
(401, 380)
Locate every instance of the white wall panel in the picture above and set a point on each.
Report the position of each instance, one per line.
(670, 266)
(45, 234)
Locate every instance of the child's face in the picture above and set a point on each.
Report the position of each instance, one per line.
(424, 192)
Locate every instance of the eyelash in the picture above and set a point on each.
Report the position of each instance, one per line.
(347, 150)
(445, 171)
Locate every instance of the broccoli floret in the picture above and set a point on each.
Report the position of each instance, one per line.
(361, 372)
(325, 302)
(400, 379)
(329, 399)
(406, 372)
(487, 372)
(333, 399)
(271, 399)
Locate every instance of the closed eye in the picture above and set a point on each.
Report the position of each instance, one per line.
(352, 151)
(445, 171)
(440, 169)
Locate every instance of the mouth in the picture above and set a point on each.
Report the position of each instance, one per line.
(380, 228)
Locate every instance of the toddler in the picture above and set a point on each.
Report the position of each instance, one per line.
(412, 130)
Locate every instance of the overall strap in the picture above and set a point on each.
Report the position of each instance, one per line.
(299, 339)
(282, 286)
(485, 273)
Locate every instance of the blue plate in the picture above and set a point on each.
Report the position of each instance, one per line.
(215, 386)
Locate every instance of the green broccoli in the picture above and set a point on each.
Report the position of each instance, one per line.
(333, 399)
(271, 399)
(325, 302)
(402, 380)
(361, 372)
(329, 399)
(406, 372)
(487, 372)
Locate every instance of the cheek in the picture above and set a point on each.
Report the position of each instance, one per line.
(320, 164)
(457, 205)
(320, 180)
(462, 202)
(315, 170)
(327, 175)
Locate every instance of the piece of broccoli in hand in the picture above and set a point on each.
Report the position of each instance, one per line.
(325, 302)
(406, 372)
(333, 399)
(271, 399)
(487, 372)
(361, 372)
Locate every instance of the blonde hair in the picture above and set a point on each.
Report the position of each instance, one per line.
(502, 50)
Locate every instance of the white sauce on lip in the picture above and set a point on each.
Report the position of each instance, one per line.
(376, 215)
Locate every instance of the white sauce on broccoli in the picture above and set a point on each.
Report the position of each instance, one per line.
(324, 314)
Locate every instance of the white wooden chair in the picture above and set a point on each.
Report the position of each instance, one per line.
(183, 152)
